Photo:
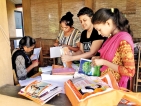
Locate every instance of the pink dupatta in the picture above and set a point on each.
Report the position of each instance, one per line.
(109, 49)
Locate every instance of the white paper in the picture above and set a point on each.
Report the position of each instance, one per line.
(36, 53)
(55, 52)
(57, 79)
(47, 69)
(29, 80)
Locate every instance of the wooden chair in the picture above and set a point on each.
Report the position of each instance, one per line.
(138, 71)
(15, 77)
(45, 45)
(131, 84)
(38, 45)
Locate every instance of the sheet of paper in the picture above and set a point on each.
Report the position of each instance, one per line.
(55, 52)
(47, 69)
(57, 79)
(29, 80)
(36, 53)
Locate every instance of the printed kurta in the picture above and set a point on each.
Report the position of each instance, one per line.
(124, 57)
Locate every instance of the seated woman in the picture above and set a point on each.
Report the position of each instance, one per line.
(116, 54)
(21, 62)
(90, 40)
(68, 36)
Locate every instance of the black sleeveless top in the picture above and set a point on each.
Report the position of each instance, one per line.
(27, 62)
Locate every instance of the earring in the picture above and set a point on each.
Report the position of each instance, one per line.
(109, 35)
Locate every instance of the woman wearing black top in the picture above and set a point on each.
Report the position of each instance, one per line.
(21, 63)
(90, 41)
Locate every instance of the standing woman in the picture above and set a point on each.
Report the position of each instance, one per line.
(68, 36)
(21, 63)
(90, 41)
(116, 54)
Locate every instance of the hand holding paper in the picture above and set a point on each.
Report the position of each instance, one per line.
(36, 54)
(35, 63)
(66, 51)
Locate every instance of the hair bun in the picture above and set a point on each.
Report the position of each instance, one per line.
(69, 14)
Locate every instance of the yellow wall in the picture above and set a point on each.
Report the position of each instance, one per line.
(11, 18)
(6, 76)
(132, 9)
(41, 17)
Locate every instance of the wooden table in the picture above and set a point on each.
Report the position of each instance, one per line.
(61, 100)
(12, 91)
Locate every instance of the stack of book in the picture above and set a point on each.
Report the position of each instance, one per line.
(40, 92)
(63, 71)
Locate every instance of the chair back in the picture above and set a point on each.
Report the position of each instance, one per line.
(15, 78)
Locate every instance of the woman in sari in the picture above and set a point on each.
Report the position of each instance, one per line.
(116, 54)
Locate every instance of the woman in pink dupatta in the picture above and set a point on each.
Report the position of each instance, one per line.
(116, 54)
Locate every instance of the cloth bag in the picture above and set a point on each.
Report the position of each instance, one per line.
(110, 98)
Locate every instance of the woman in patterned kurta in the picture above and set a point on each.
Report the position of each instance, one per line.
(116, 54)
(125, 59)
(68, 36)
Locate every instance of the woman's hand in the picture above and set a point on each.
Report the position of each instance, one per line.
(95, 57)
(56, 44)
(32, 56)
(65, 45)
(66, 58)
(35, 63)
(96, 61)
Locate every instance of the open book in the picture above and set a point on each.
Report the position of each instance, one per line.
(85, 67)
(40, 92)
(89, 84)
(36, 53)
